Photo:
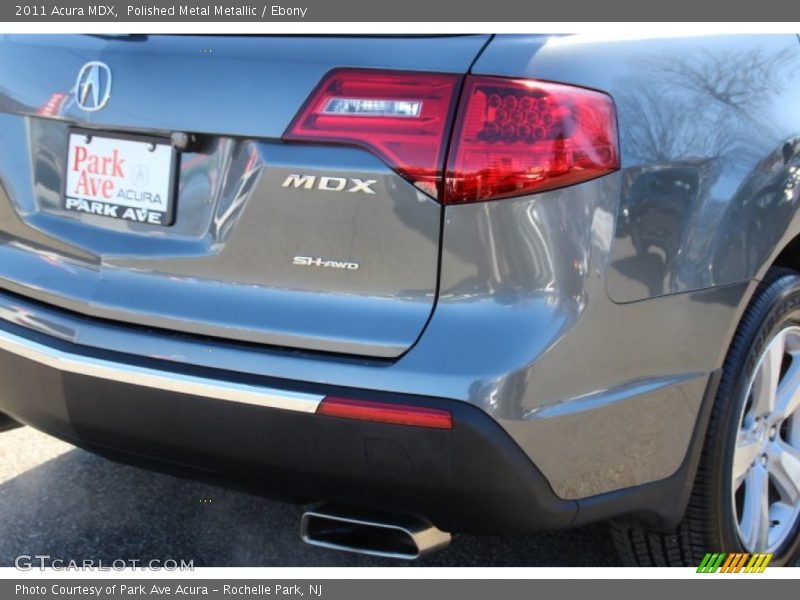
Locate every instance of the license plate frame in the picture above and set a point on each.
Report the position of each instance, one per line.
(161, 144)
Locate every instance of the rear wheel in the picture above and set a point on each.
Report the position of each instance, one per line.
(746, 496)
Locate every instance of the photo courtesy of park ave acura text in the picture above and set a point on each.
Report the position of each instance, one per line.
(374, 298)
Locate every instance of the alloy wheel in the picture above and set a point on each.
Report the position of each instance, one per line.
(765, 473)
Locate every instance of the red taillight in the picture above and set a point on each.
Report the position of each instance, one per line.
(519, 136)
(511, 136)
(382, 412)
(403, 117)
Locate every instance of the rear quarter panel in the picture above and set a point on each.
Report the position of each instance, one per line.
(633, 283)
(710, 144)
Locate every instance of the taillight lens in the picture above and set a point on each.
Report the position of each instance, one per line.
(384, 412)
(403, 117)
(511, 136)
(519, 136)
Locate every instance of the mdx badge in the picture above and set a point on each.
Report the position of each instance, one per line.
(330, 184)
(93, 86)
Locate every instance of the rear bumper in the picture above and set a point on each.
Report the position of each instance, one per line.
(264, 433)
(215, 410)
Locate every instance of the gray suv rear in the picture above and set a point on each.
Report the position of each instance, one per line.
(425, 284)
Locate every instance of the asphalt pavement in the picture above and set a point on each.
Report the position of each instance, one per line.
(62, 501)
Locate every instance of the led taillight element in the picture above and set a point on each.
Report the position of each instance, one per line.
(383, 412)
(519, 136)
(403, 117)
(511, 136)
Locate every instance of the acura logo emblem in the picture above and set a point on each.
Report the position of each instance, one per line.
(93, 87)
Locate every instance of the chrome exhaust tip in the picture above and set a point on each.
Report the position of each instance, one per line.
(372, 533)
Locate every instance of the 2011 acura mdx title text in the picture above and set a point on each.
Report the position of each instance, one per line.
(423, 284)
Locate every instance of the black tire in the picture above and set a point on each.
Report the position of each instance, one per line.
(709, 522)
(7, 423)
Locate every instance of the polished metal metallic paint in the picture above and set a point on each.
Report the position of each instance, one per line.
(585, 320)
(710, 136)
(226, 267)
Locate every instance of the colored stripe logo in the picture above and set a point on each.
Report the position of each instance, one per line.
(737, 562)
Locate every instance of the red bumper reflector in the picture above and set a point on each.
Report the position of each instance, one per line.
(382, 412)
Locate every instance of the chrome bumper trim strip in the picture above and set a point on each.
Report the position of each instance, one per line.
(153, 378)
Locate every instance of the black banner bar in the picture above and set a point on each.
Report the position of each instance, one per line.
(392, 11)
(728, 587)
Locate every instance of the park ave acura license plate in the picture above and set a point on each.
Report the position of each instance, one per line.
(130, 178)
